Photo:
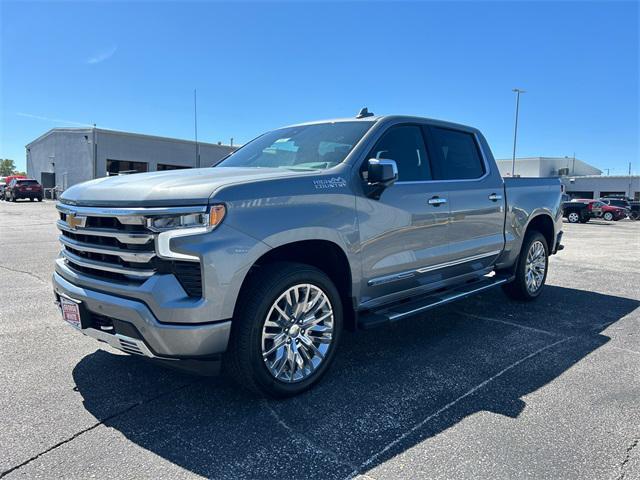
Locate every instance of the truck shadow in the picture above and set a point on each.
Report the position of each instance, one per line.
(383, 384)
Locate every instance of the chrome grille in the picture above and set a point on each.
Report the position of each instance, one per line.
(105, 244)
(116, 245)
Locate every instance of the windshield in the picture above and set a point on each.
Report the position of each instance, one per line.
(306, 147)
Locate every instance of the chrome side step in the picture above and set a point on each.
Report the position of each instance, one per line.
(400, 311)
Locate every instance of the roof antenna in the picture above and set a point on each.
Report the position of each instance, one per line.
(364, 112)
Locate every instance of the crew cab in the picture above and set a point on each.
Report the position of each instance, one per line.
(258, 263)
(23, 188)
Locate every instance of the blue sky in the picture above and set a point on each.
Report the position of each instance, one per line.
(256, 66)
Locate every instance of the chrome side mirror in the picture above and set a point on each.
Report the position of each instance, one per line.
(382, 172)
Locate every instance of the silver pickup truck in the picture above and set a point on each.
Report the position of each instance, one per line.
(260, 262)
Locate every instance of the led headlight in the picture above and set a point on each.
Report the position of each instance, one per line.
(208, 220)
(182, 225)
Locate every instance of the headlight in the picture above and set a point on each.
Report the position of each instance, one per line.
(209, 220)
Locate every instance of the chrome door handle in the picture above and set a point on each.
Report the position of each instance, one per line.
(437, 201)
(494, 197)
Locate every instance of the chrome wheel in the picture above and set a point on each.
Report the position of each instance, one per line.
(535, 267)
(573, 217)
(297, 333)
(608, 216)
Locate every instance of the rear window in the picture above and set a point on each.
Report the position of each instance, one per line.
(456, 155)
(27, 182)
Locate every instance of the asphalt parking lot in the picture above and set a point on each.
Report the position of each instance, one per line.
(486, 388)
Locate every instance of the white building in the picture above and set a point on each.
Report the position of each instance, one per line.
(596, 186)
(580, 179)
(547, 167)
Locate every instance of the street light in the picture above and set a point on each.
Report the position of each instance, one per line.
(515, 131)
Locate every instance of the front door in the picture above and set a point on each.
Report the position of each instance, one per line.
(405, 230)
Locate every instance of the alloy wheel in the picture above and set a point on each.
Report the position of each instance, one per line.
(297, 333)
(535, 266)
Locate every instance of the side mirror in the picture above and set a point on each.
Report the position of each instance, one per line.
(381, 172)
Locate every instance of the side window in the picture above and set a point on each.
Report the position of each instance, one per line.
(405, 145)
(456, 155)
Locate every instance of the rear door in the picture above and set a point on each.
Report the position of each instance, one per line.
(405, 230)
(476, 197)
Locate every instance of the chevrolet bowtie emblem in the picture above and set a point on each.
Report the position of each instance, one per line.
(75, 221)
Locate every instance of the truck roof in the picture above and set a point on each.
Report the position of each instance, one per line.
(378, 118)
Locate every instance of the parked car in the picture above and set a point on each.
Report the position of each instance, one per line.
(2, 185)
(583, 209)
(7, 181)
(616, 202)
(576, 211)
(260, 261)
(623, 202)
(23, 188)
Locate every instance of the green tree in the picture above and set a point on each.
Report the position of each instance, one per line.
(7, 167)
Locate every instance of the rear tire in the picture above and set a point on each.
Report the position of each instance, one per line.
(269, 353)
(531, 270)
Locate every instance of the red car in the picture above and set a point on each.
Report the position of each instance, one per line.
(599, 209)
(23, 188)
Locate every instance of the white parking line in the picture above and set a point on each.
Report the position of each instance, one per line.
(435, 414)
(513, 324)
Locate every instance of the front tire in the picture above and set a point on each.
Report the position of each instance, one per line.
(608, 216)
(286, 330)
(573, 217)
(531, 271)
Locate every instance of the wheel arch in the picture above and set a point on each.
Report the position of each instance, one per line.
(325, 255)
(542, 223)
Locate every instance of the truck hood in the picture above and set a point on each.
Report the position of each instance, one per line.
(167, 188)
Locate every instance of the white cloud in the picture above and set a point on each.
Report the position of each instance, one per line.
(102, 55)
(52, 120)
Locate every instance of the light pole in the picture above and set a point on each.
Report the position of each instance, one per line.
(515, 131)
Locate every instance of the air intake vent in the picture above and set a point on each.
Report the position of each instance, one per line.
(130, 347)
(190, 277)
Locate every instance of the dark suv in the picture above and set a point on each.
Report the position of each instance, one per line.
(23, 188)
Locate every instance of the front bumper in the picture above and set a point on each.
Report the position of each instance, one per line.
(132, 327)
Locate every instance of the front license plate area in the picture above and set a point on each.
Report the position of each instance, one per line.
(71, 312)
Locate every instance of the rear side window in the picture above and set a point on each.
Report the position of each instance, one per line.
(405, 145)
(456, 155)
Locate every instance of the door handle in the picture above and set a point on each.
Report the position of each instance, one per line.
(494, 197)
(437, 201)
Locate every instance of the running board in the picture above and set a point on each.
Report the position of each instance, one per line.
(400, 311)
